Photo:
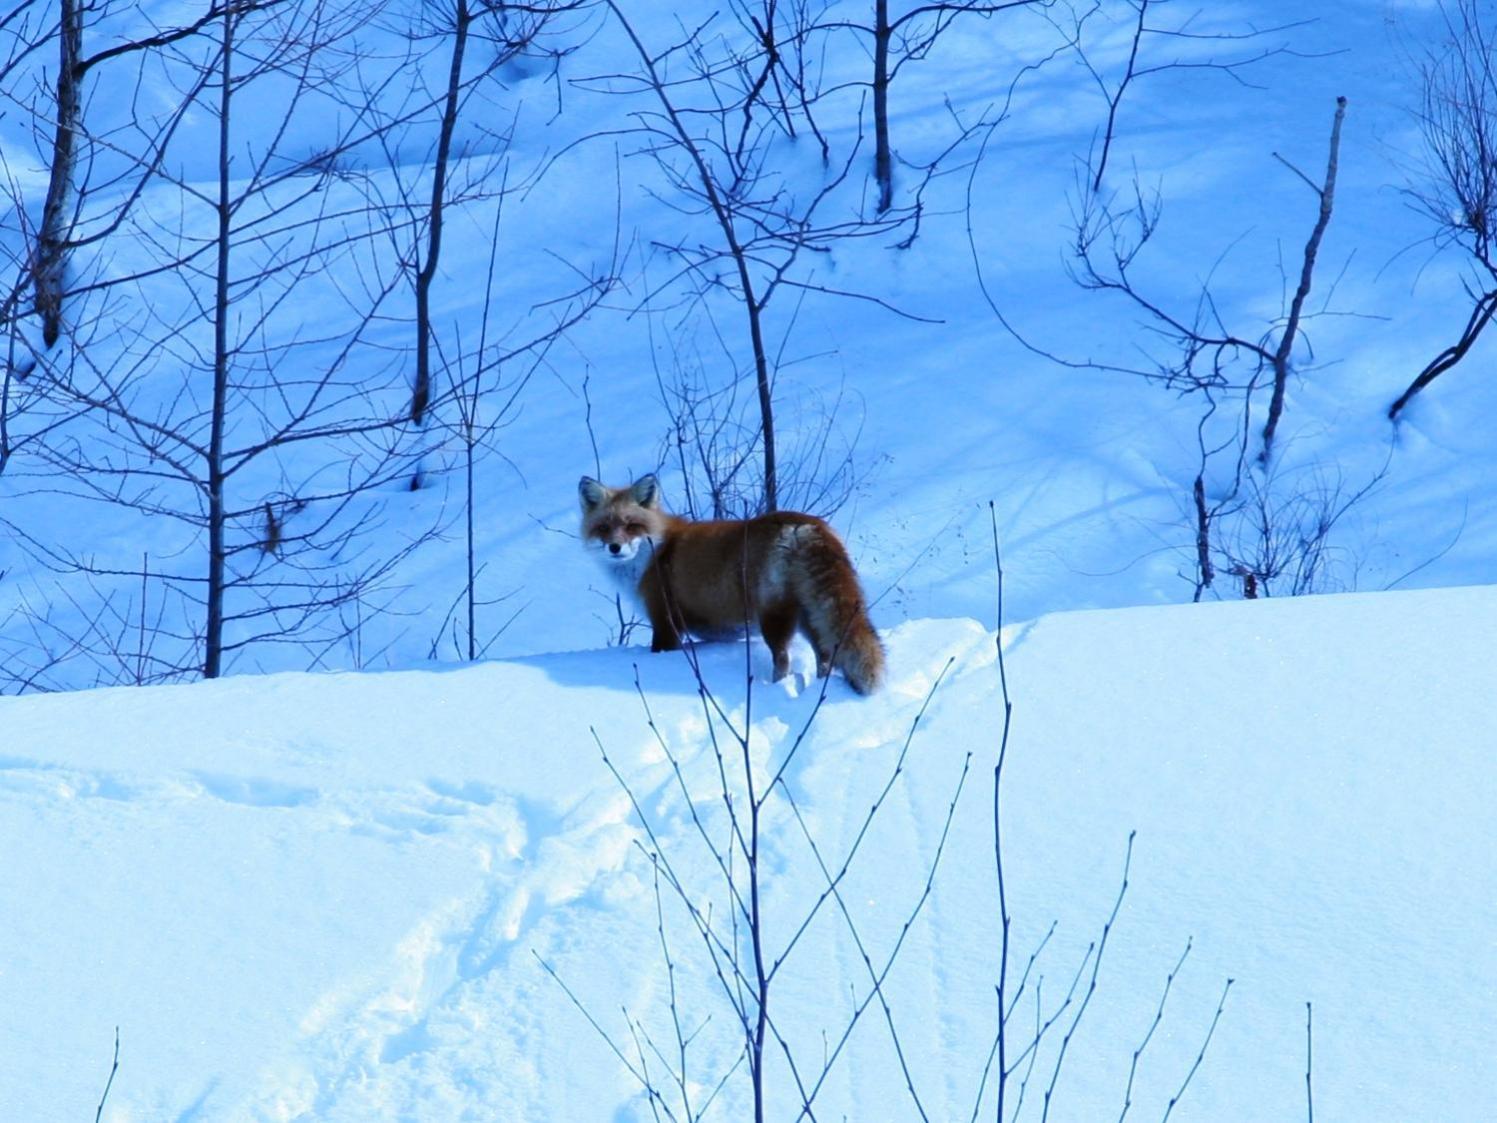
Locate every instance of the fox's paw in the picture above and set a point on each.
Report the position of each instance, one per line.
(793, 683)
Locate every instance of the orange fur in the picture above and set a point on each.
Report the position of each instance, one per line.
(783, 572)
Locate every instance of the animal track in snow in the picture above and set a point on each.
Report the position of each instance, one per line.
(252, 792)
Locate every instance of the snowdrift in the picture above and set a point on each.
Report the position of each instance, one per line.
(337, 897)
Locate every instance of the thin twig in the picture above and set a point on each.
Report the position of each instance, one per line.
(1091, 987)
(1309, 1064)
(114, 1068)
(1154, 1025)
(1005, 920)
(1200, 1056)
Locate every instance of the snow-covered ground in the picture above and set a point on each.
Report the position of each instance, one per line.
(337, 896)
(328, 897)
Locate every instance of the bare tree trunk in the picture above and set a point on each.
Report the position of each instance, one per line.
(1115, 99)
(883, 169)
(213, 632)
(761, 381)
(1205, 571)
(421, 392)
(51, 248)
(1481, 316)
(8, 375)
(1457, 114)
(469, 441)
(1296, 307)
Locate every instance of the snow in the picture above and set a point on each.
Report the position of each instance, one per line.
(343, 895)
(327, 896)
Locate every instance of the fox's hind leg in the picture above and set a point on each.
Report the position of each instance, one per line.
(819, 643)
(833, 611)
(778, 625)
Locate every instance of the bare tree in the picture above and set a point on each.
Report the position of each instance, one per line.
(1200, 354)
(269, 453)
(1326, 194)
(1458, 194)
(1190, 44)
(710, 441)
(1206, 352)
(1281, 538)
(712, 132)
(898, 39)
(1189, 348)
(486, 382)
(16, 362)
(114, 1069)
(714, 919)
(1190, 47)
(73, 145)
(95, 176)
(507, 30)
(485, 372)
(247, 404)
(52, 238)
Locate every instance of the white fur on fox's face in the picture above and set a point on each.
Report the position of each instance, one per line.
(618, 551)
(623, 559)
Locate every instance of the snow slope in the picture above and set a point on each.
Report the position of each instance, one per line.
(327, 897)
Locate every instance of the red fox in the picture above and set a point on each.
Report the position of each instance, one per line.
(784, 571)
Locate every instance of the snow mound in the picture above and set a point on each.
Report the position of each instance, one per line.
(338, 897)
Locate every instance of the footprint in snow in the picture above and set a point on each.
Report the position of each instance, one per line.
(251, 792)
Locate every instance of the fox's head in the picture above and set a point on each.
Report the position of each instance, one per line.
(621, 525)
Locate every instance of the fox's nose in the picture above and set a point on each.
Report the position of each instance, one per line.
(614, 547)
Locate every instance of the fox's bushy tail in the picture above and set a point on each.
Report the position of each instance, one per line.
(861, 656)
(836, 613)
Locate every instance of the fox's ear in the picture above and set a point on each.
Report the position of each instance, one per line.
(646, 491)
(591, 492)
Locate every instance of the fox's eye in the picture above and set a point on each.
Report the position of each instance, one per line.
(636, 528)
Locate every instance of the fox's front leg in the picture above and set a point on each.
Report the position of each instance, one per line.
(664, 635)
